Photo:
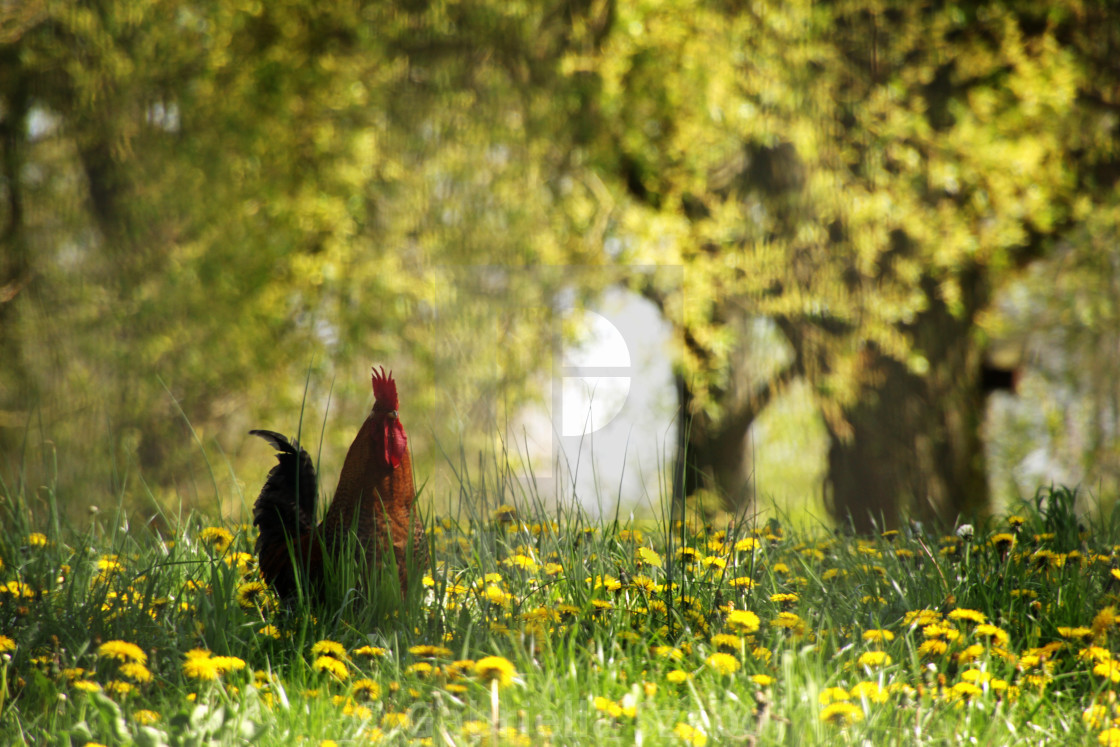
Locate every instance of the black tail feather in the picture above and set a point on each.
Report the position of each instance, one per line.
(285, 509)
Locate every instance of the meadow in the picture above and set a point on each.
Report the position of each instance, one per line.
(543, 627)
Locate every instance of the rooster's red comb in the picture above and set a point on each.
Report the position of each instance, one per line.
(385, 389)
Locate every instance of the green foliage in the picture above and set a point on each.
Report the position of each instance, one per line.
(837, 165)
(252, 193)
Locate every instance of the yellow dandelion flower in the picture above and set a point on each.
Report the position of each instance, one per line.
(496, 596)
(874, 659)
(1003, 541)
(723, 663)
(725, 641)
(393, 720)
(6, 644)
(743, 582)
(678, 677)
(941, 630)
(490, 668)
(690, 735)
(833, 695)
(607, 706)
(668, 652)
(841, 713)
(199, 665)
(784, 598)
(976, 676)
(87, 686)
(122, 651)
(327, 647)
(37, 539)
(17, 589)
(713, 561)
(365, 690)
(251, 594)
(932, 648)
(473, 730)
(869, 691)
(216, 537)
(459, 667)
(1093, 653)
(1104, 620)
(965, 690)
(608, 582)
(243, 560)
(1109, 669)
(878, 636)
(372, 652)
(227, 663)
(1109, 737)
(331, 666)
(1095, 716)
(789, 621)
(762, 680)
(136, 672)
(646, 556)
(921, 618)
(968, 615)
(1078, 633)
(431, 652)
(993, 633)
(523, 562)
(145, 717)
(970, 653)
(119, 688)
(270, 631)
(743, 621)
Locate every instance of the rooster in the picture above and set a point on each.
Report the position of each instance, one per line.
(374, 498)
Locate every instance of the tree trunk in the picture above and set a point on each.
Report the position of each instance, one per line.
(713, 456)
(915, 439)
(16, 272)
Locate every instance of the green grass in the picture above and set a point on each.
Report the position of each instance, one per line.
(617, 634)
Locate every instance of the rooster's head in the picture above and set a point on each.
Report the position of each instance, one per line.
(385, 407)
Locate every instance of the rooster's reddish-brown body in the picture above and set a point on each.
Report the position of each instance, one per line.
(375, 499)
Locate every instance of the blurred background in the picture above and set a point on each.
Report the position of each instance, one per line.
(852, 261)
